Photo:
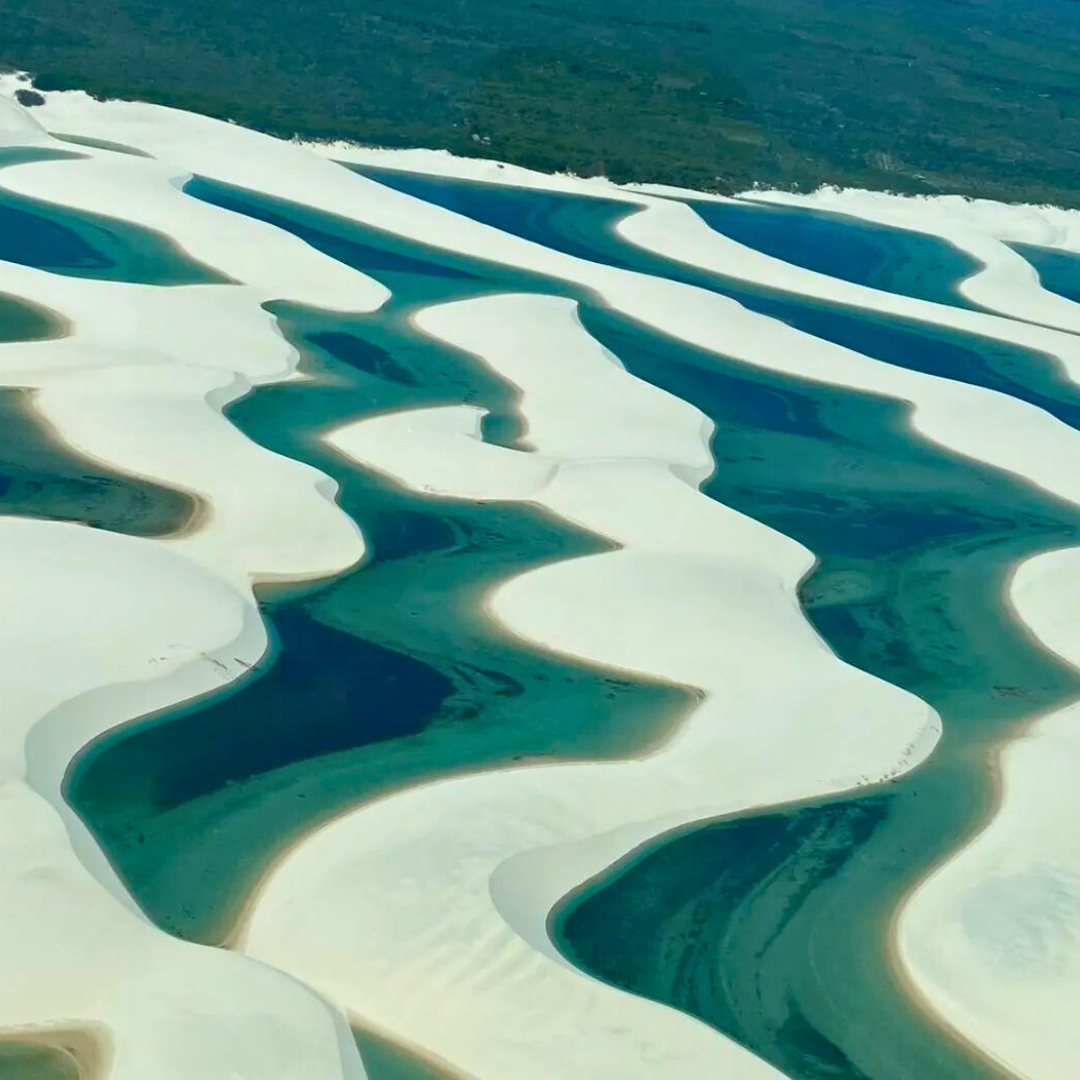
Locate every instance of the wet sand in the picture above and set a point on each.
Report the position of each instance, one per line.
(40, 477)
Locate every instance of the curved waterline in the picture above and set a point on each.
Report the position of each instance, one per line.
(862, 252)
(54, 1054)
(27, 155)
(585, 226)
(1059, 271)
(23, 321)
(775, 927)
(399, 673)
(25, 1060)
(41, 477)
(890, 600)
(50, 237)
(851, 249)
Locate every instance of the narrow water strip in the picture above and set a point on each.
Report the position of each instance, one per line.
(42, 477)
(51, 237)
(23, 321)
(852, 249)
(1059, 271)
(585, 227)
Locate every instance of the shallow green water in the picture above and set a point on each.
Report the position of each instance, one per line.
(386, 1060)
(101, 144)
(40, 477)
(394, 669)
(771, 927)
(50, 237)
(25, 155)
(31, 1061)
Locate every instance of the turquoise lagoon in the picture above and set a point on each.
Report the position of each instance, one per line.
(41, 477)
(772, 926)
(386, 675)
(844, 247)
(46, 236)
(1059, 271)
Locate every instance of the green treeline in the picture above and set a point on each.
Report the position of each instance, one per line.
(966, 96)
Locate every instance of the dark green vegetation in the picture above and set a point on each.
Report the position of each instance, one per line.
(976, 96)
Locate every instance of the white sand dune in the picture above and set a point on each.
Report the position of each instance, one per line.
(424, 912)
(991, 939)
(100, 629)
(475, 864)
(17, 126)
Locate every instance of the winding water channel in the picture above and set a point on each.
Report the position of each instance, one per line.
(774, 926)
